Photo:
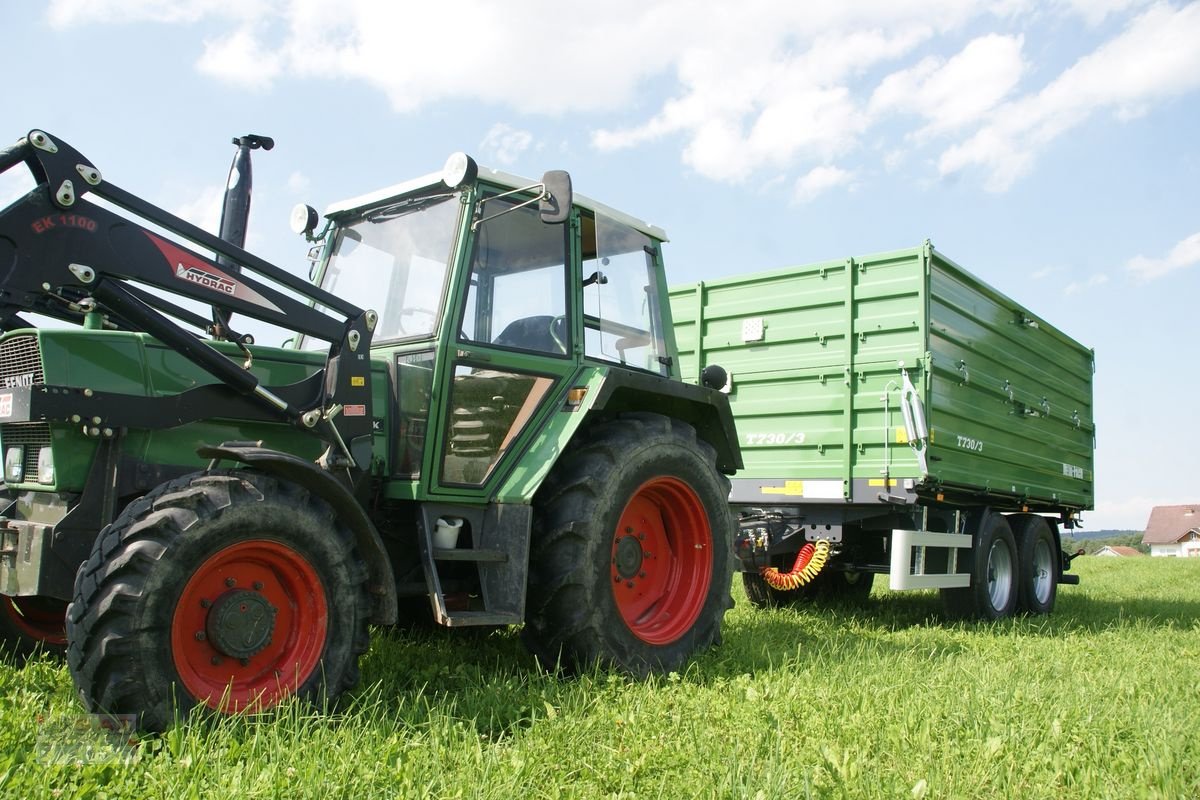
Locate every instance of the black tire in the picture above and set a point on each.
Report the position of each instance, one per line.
(846, 587)
(1037, 563)
(831, 587)
(993, 591)
(653, 471)
(299, 596)
(762, 595)
(32, 625)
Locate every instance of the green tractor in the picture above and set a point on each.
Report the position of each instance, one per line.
(478, 422)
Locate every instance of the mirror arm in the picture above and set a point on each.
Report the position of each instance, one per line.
(542, 195)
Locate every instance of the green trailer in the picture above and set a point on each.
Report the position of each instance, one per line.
(903, 412)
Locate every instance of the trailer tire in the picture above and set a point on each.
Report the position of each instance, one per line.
(762, 595)
(1037, 563)
(32, 625)
(631, 556)
(830, 587)
(845, 587)
(226, 591)
(993, 591)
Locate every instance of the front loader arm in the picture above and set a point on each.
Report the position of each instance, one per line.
(64, 256)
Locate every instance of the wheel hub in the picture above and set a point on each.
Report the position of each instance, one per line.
(241, 623)
(628, 558)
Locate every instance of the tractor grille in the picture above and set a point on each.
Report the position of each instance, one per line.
(21, 362)
(21, 365)
(33, 435)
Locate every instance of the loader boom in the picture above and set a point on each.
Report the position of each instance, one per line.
(68, 258)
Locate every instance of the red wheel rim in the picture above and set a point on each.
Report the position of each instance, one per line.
(661, 560)
(249, 627)
(40, 618)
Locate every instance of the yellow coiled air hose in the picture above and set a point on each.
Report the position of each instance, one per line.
(808, 564)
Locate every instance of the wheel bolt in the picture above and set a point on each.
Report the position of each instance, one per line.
(629, 584)
(200, 636)
(642, 536)
(230, 582)
(617, 578)
(244, 661)
(258, 586)
(641, 574)
(628, 529)
(205, 604)
(215, 660)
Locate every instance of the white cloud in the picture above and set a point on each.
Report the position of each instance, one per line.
(203, 209)
(504, 144)
(820, 180)
(955, 93)
(1096, 11)
(63, 13)
(1155, 58)
(14, 183)
(760, 85)
(1091, 282)
(239, 58)
(298, 183)
(1043, 273)
(1183, 255)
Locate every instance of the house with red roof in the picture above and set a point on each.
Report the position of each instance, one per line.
(1118, 550)
(1173, 531)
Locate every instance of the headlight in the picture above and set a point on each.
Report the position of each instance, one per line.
(14, 464)
(46, 465)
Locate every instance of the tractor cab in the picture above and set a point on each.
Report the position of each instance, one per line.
(494, 293)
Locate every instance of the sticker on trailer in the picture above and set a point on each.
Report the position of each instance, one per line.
(6, 405)
(818, 489)
(1072, 471)
(774, 438)
(967, 443)
(355, 411)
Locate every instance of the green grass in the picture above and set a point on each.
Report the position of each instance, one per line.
(1101, 699)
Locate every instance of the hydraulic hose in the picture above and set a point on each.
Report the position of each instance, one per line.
(809, 562)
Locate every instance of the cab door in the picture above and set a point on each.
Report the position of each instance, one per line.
(514, 347)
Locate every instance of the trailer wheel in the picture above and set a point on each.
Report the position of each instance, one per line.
(1037, 563)
(832, 587)
(848, 587)
(994, 587)
(631, 558)
(762, 595)
(29, 625)
(226, 590)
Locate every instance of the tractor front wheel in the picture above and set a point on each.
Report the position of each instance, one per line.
(228, 590)
(630, 564)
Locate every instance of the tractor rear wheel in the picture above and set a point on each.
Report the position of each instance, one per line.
(630, 564)
(227, 590)
(29, 625)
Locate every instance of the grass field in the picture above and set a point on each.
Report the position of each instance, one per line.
(1101, 699)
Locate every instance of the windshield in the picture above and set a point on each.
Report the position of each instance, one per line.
(394, 261)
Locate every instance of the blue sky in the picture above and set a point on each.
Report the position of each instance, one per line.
(1051, 147)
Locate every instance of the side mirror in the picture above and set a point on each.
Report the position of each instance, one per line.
(555, 204)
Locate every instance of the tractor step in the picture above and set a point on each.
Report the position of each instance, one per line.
(469, 554)
(499, 551)
(463, 619)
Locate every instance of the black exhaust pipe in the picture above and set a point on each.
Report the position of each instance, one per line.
(235, 217)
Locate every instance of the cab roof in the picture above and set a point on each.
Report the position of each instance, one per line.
(495, 177)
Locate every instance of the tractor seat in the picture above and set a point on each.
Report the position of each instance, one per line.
(533, 333)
